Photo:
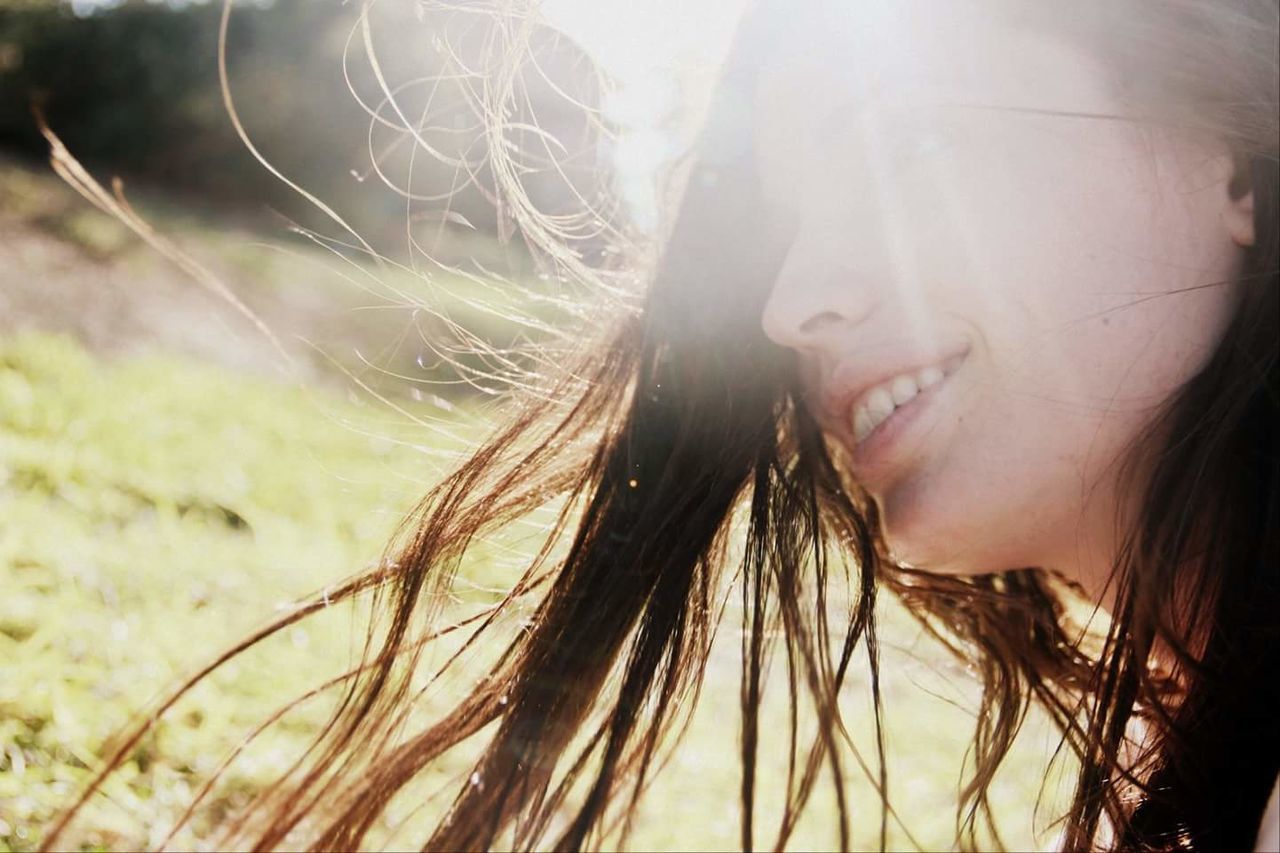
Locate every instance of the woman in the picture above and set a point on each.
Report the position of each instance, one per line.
(979, 297)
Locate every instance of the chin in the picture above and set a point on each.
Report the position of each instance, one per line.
(934, 540)
(929, 557)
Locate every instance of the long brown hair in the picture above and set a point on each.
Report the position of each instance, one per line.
(676, 440)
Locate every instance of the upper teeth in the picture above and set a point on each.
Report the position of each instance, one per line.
(876, 405)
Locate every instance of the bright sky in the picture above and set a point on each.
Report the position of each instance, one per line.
(635, 38)
(662, 53)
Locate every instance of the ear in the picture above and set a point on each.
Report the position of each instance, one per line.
(1237, 212)
(1239, 220)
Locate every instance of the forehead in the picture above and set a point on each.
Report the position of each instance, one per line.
(858, 46)
(845, 59)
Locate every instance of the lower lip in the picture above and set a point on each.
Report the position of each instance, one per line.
(878, 449)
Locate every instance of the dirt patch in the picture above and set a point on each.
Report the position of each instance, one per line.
(66, 267)
(117, 306)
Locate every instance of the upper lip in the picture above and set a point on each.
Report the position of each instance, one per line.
(849, 380)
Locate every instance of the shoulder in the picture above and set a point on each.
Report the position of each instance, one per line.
(1269, 832)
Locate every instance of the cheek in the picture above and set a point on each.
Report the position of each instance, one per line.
(1117, 292)
(1091, 305)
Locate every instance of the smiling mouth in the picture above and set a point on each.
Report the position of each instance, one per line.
(875, 409)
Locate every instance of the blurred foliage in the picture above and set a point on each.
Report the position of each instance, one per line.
(133, 89)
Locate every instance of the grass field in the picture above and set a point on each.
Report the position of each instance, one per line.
(156, 507)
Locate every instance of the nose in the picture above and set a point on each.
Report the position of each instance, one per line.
(816, 299)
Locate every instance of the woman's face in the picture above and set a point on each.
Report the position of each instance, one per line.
(989, 291)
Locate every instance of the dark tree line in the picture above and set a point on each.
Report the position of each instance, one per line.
(133, 90)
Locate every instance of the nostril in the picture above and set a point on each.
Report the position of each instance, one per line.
(818, 321)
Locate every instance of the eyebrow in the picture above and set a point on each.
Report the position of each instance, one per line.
(1077, 114)
(840, 118)
(1048, 112)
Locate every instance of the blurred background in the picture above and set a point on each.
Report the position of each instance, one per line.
(171, 476)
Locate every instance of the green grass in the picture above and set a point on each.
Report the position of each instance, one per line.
(155, 510)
